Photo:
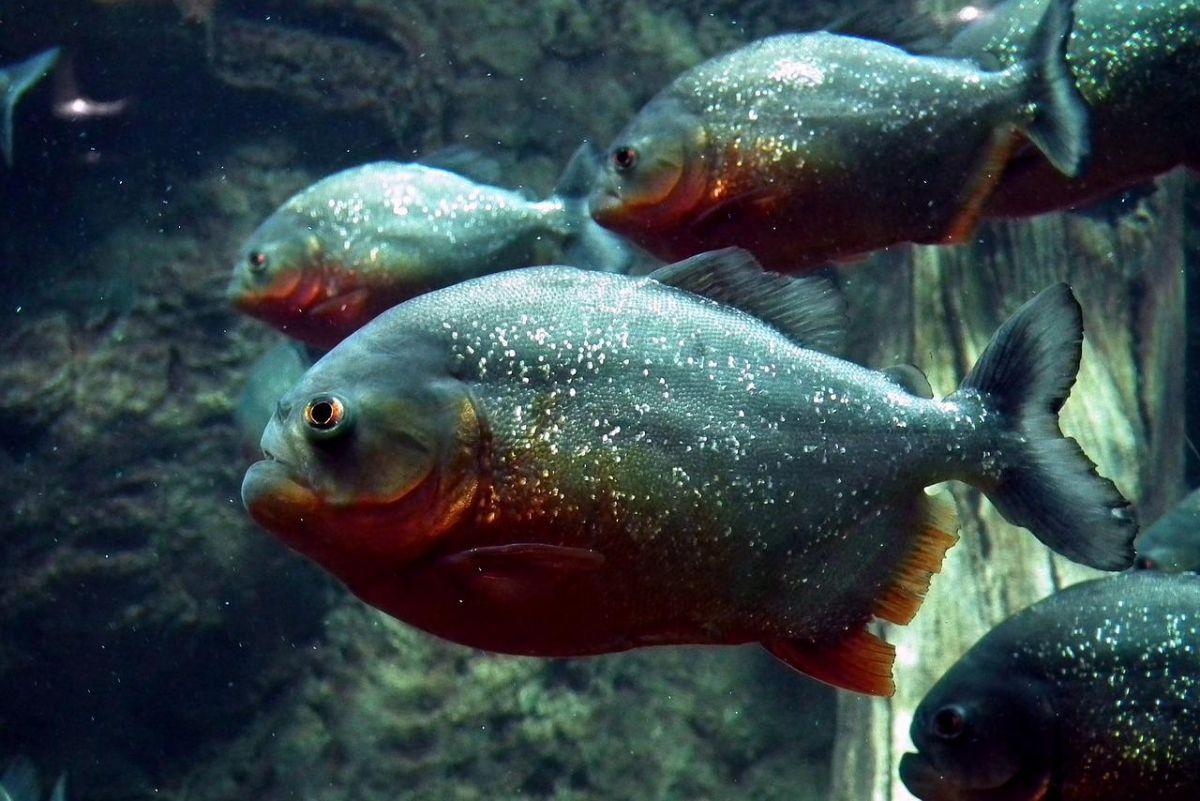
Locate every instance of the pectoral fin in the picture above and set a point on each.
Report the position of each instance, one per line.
(522, 571)
(1001, 147)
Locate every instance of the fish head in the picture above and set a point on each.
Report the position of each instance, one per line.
(656, 172)
(1172, 544)
(981, 735)
(370, 458)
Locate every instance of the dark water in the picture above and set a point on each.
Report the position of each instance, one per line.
(155, 643)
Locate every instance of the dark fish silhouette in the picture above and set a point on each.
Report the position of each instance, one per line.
(1093, 693)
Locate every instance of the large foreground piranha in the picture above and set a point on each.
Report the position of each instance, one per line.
(1090, 695)
(1137, 66)
(808, 147)
(558, 462)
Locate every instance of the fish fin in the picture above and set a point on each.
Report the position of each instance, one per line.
(761, 200)
(910, 378)
(883, 21)
(346, 306)
(860, 661)
(19, 78)
(521, 571)
(937, 527)
(809, 311)
(465, 161)
(60, 789)
(1061, 122)
(579, 176)
(21, 780)
(1045, 481)
(1000, 150)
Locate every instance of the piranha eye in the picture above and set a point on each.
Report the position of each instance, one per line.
(258, 261)
(624, 158)
(325, 415)
(949, 722)
(1145, 563)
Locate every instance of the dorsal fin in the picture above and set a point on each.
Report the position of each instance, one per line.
(809, 311)
(580, 173)
(918, 32)
(467, 162)
(910, 378)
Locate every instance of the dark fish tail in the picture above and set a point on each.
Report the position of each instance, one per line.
(1061, 121)
(15, 80)
(1043, 480)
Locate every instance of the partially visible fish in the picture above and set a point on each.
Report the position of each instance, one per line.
(359, 242)
(1136, 65)
(1172, 544)
(808, 147)
(1092, 694)
(271, 375)
(15, 81)
(557, 462)
(20, 783)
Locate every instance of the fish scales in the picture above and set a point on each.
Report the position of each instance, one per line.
(688, 428)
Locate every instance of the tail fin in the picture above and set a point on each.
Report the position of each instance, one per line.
(1046, 483)
(587, 244)
(1061, 118)
(20, 781)
(15, 80)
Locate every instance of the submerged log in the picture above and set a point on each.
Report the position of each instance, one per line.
(937, 308)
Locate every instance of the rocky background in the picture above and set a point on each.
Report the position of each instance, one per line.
(153, 644)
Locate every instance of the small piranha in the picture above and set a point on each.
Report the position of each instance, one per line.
(15, 81)
(360, 241)
(1172, 544)
(271, 375)
(1137, 67)
(1089, 695)
(557, 462)
(807, 147)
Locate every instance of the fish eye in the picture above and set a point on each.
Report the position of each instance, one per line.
(257, 260)
(325, 415)
(1145, 563)
(949, 722)
(624, 158)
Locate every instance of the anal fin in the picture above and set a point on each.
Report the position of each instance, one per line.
(1001, 147)
(860, 661)
(937, 526)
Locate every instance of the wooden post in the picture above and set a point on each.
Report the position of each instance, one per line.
(937, 308)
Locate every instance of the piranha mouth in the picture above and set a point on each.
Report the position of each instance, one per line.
(604, 204)
(274, 494)
(928, 783)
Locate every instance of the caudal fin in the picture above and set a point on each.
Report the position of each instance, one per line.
(1060, 126)
(15, 80)
(1044, 481)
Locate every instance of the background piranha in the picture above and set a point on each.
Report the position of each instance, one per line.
(1137, 66)
(358, 242)
(15, 81)
(1090, 694)
(1172, 544)
(807, 147)
(559, 462)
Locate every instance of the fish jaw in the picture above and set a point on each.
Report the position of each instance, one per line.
(307, 307)
(924, 780)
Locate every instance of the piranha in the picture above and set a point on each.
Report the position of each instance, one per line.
(557, 462)
(360, 241)
(808, 147)
(15, 81)
(271, 375)
(20, 783)
(1090, 694)
(1172, 544)
(1136, 65)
